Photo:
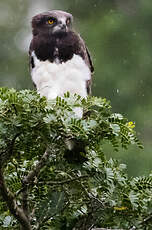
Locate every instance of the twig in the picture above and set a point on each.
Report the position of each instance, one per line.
(147, 218)
(91, 196)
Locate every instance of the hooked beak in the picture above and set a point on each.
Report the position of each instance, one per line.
(63, 27)
(60, 28)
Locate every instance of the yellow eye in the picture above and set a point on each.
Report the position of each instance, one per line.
(50, 21)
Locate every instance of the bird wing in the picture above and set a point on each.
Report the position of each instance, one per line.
(88, 61)
(31, 60)
(87, 56)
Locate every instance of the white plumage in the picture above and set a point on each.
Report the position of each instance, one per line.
(53, 79)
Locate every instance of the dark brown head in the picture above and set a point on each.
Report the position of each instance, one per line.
(52, 22)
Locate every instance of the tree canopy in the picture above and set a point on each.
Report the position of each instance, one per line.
(118, 35)
(46, 186)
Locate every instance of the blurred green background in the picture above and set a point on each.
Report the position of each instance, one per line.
(119, 36)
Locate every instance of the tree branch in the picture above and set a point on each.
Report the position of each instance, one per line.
(147, 218)
(28, 180)
(11, 202)
(34, 173)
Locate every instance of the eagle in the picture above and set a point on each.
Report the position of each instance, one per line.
(60, 62)
(59, 58)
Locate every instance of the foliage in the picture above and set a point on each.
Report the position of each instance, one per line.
(118, 35)
(55, 188)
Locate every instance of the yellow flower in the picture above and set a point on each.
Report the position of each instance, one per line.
(131, 124)
(120, 208)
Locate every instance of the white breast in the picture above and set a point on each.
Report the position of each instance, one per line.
(53, 79)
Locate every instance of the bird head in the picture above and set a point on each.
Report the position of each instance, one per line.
(52, 22)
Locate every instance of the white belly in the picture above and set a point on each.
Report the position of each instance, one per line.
(53, 79)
